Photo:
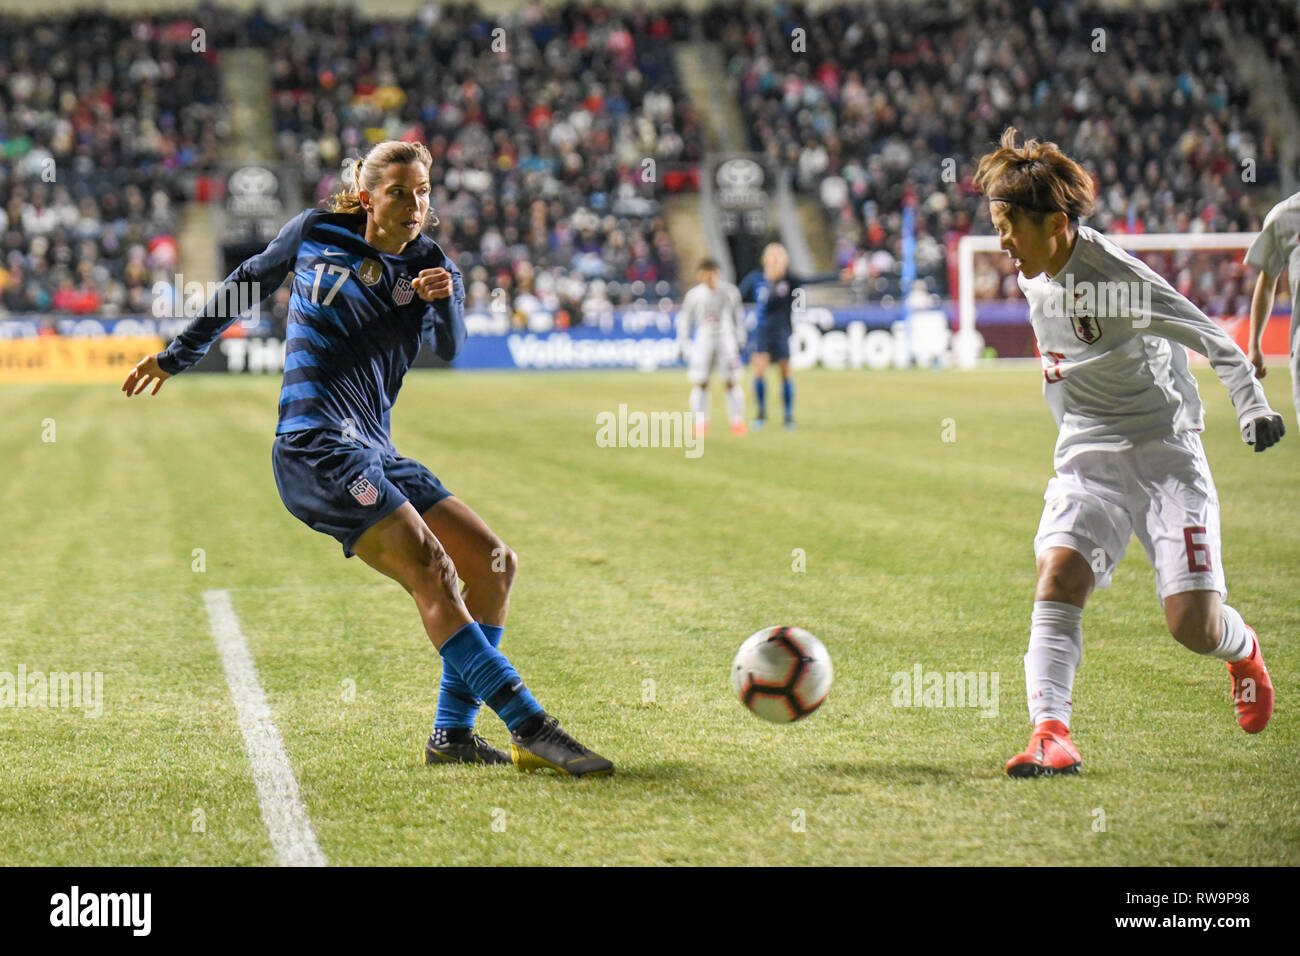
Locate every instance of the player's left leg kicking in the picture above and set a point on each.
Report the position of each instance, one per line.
(488, 568)
(401, 546)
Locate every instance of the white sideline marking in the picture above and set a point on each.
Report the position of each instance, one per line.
(285, 817)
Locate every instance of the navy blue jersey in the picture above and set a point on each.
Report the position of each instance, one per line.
(355, 323)
(748, 286)
(775, 298)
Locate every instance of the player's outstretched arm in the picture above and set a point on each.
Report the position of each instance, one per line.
(1261, 305)
(1173, 317)
(146, 370)
(256, 278)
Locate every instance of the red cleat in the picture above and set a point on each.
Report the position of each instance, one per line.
(1252, 689)
(1050, 752)
(738, 427)
(701, 428)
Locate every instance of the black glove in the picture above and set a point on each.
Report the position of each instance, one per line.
(1265, 431)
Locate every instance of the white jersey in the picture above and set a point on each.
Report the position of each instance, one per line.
(1277, 247)
(713, 314)
(1111, 332)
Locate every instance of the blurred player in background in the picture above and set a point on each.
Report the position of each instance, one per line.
(1128, 455)
(1277, 247)
(367, 288)
(777, 293)
(711, 333)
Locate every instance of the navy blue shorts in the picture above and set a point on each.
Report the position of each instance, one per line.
(341, 488)
(775, 343)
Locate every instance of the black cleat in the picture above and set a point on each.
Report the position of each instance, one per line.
(551, 748)
(460, 745)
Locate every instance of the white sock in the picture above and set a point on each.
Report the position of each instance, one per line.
(1055, 651)
(700, 404)
(736, 403)
(1235, 643)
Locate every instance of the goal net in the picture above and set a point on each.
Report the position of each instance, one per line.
(1208, 268)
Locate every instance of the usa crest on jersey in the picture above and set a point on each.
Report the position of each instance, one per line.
(403, 290)
(365, 493)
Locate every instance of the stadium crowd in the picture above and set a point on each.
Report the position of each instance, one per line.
(104, 122)
(541, 124)
(870, 118)
(539, 128)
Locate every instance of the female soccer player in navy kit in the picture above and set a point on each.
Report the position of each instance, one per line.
(367, 288)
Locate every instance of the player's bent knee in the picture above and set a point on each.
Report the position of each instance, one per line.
(436, 580)
(1064, 576)
(505, 565)
(1197, 631)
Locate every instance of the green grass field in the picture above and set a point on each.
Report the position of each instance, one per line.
(636, 566)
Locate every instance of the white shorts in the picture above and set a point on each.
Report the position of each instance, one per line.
(1161, 491)
(707, 354)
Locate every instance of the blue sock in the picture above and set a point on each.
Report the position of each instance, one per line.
(457, 705)
(760, 396)
(787, 396)
(488, 674)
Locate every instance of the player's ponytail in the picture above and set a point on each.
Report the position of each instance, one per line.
(365, 172)
(1035, 179)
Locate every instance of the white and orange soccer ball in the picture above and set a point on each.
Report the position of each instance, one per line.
(782, 673)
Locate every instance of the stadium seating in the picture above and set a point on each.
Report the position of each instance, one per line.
(104, 122)
(537, 174)
(877, 112)
(537, 165)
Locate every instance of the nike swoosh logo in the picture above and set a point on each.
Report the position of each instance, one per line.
(331, 252)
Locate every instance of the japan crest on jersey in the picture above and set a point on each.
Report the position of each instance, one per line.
(403, 290)
(365, 493)
(1087, 328)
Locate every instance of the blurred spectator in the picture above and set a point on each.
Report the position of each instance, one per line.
(540, 124)
(874, 111)
(104, 122)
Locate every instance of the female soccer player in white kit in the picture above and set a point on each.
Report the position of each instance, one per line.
(1128, 456)
(1277, 247)
(711, 333)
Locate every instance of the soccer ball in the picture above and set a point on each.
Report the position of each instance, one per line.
(782, 673)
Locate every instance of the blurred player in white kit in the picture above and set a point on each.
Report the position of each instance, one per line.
(1277, 247)
(711, 333)
(1128, 453)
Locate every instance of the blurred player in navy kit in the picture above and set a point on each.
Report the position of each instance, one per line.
(773, 288)
(367, 288)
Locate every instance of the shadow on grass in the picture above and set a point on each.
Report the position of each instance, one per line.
(886, 771)
(679, 772)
